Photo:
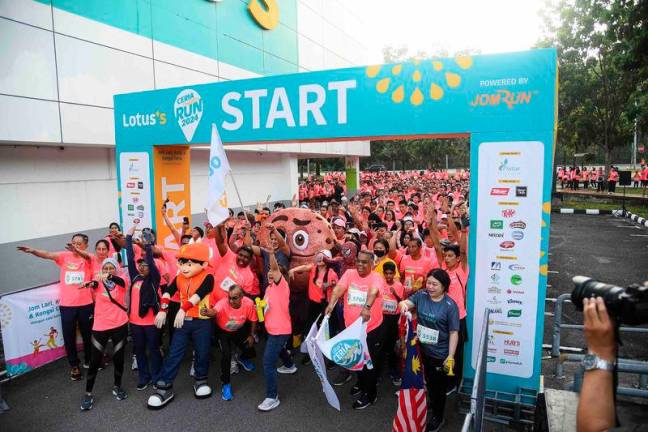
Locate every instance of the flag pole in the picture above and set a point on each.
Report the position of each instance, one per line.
(237, 193)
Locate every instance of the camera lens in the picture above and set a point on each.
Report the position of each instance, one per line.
(585, 287)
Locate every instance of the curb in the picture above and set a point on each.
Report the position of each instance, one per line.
(633, 217)
(583, 211)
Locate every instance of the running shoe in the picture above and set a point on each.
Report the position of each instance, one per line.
(355, 391)
(134, 364)
(143, 386)
(87, 402)
(363, 402)
(75, 374)
(246, 364)
(287, 370)
(119, 393)
(269, 404)
(234, 369)
(343, 377)
(397, 381)
(86, 365)
(226, 392)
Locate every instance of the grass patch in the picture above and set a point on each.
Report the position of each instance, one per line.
(602, 205)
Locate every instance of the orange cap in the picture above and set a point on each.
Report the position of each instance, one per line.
(194, 251)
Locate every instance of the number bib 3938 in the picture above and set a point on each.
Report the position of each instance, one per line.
(427, 335)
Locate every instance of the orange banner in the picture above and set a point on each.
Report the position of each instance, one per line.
(171, 170)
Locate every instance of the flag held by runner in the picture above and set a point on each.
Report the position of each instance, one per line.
(349, 348)
(411, 415)
(219, 167)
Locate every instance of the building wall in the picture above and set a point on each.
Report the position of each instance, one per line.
(63, 60)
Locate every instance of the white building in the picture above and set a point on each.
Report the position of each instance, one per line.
(62, 61)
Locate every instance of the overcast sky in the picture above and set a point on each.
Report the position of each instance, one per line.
(490, 26)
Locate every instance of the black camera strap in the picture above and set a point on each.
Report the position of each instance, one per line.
(115, 302)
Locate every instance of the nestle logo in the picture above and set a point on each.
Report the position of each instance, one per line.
(507, 244)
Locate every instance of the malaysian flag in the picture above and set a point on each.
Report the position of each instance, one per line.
(411, 415)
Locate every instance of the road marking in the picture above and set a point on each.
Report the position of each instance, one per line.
(627, 226)
(638, 235)
(551, 299)
(549, 314)
(553, 271)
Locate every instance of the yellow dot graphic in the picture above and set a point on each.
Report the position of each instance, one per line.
(416, 76)
(464, 61)
(382, 85)
(543, 269)
(436, 92)
(372, 71)
(544, 224)
(417, 97)
(397, 69)
(542, 253)
(437, 65)
(452, 79)
(546, 207)
(399, 94)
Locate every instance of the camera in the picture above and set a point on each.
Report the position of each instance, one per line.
(147, 236)
(627, 305)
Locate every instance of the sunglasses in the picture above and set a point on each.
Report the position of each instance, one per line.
(235, 298)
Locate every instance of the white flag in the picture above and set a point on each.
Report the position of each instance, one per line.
(347, 349)
(317, 359)
(219, 167)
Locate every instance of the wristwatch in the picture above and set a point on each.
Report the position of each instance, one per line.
(593, 362)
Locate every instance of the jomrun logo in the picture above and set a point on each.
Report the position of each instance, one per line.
(141, 120)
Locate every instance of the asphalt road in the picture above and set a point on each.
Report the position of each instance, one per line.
(609, 249)
(604, 247)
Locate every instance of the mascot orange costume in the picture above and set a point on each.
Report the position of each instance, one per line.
(194, 284)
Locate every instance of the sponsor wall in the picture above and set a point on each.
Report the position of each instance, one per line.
(506, 104)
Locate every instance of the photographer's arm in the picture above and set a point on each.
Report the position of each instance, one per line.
(596, 411)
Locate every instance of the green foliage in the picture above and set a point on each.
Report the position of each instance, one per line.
(603, 73)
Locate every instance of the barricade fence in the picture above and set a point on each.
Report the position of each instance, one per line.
(624, 365)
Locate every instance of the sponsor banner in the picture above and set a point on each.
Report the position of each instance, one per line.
(171, 166)
(511, 293)
(135, 181)
(349, 348)
(32, 334)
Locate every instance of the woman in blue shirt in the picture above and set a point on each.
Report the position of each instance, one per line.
(438, 333)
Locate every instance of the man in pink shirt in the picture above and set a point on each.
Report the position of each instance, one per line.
(361, 290)
(76, 305)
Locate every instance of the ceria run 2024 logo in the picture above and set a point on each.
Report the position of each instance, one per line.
(188, 110)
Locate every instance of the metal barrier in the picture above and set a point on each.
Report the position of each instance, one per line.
(623, 365)
(475, 418)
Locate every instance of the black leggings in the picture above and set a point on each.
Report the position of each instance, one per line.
(436, 381)
(99, 340)
(227, 341)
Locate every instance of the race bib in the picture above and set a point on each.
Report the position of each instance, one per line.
(356, 297)
(427, 335)
(73, 278)
(227, 283)
(389, 305)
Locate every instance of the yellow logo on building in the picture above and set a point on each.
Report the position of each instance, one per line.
(266, 15)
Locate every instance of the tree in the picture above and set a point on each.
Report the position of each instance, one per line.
(600, 72)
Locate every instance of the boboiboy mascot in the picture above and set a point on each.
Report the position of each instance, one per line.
(194, 284)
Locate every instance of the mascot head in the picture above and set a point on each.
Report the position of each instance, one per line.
(193, 259)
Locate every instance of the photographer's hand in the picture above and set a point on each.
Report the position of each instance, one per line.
(599, 329)
(596, 411)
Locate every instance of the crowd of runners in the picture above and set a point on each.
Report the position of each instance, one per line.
(595, 178)
(400, 244)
